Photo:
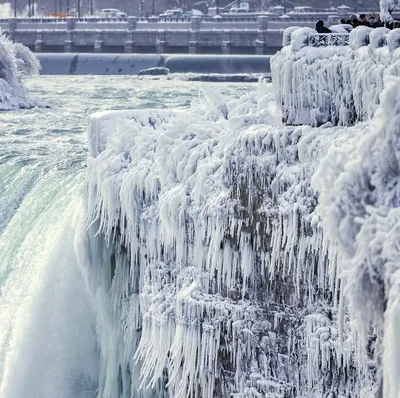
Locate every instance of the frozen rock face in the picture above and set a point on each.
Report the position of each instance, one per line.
(16, 63)
(214, 244)
(336, 84)
(359, 208)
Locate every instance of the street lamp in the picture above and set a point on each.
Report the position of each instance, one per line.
(217, 6)
(15, 8)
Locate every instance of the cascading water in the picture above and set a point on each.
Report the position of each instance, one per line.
(47, 343)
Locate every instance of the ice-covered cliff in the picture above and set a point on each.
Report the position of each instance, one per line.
(17, 62)
(229, 254)
(216, 267)
(359, 208)
(340, 84)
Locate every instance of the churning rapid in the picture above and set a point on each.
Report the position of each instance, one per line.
(48, 343)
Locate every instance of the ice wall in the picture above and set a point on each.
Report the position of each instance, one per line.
(359, 209)
(337, 84)
(215, 241)
(17, 62)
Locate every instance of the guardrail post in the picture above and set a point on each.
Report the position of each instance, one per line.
(130, 42)
(193, 47)
(262, 22)
(132, 23)
(71, 22)
(260, 46)
(262, 27)
(68, 44)
(39, 41)
(195, 23)
(12, 27)
(226, 43)
(160, 42)
(98, 43)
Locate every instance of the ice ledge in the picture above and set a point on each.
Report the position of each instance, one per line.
(106, 124)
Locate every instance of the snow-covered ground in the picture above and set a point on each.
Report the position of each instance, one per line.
(17, 62)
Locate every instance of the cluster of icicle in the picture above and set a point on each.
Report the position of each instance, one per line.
(337, 84)
(17, 62)
(387, 6)
(359, 204)
(216, 270)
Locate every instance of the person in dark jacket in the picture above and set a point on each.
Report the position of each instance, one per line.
(353, 21)
(363, 20)
(320, 28)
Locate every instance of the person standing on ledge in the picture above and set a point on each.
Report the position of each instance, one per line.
(320, 28)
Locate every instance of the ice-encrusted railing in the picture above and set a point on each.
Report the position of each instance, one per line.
(339, 84)
(328, 39)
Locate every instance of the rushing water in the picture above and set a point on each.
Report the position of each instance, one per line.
(47, 341)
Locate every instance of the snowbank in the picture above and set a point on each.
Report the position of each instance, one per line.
(16, 63)
(337, 84)
(211, 270)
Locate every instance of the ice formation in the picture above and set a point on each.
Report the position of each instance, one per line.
(358, 205)
(16, 63)
(228, 254)
(337, 84)
(387, 6)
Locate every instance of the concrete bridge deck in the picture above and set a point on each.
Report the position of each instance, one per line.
(262, 36)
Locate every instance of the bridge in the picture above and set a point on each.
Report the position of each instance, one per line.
(257, 35)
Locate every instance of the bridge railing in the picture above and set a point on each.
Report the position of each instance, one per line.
(328, 39)
(297, 38)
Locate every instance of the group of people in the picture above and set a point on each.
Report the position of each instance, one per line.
(361, 20)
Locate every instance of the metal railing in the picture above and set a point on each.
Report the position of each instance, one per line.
(328, 39)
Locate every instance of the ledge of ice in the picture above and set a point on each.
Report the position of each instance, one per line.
(17, 62)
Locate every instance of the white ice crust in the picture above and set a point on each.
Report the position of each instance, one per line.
(17, 62)
(337, 84)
